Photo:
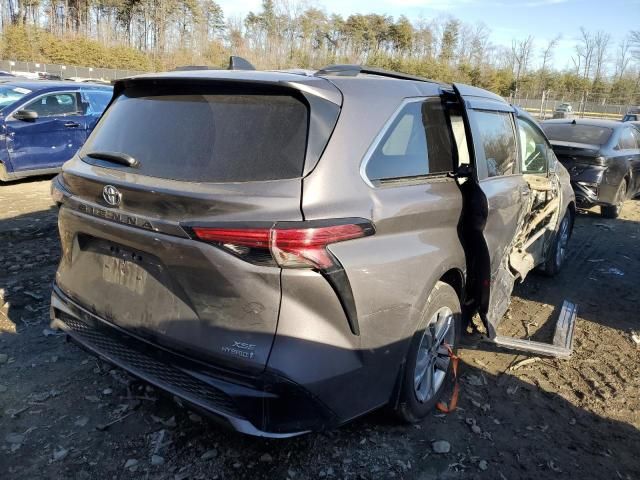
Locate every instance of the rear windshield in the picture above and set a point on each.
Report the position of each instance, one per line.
(205, 137)
(569, 132)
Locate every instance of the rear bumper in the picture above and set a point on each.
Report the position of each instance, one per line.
(267, 405)
(591, 185)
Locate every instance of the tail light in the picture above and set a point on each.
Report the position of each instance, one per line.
(290, 244)
(295, 245)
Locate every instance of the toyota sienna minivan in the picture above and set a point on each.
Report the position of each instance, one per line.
(290, 250)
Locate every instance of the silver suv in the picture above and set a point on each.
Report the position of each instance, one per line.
(290, 250)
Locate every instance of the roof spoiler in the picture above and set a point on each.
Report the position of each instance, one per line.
(239, 63)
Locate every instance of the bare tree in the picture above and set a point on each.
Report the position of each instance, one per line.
(600, 49)
(547, 58)
(584, 53)
(547, 52)
(634, 40)
(623, 58)
(521, 53)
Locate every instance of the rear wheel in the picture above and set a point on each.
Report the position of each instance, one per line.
(428, 368)
(558, 251)
(613, 211)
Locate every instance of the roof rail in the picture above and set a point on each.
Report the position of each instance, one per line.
(239, 63)
(353, 70)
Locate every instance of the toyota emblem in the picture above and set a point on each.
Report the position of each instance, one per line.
(111, 195)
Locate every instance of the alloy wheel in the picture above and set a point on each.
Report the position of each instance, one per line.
(563, 241)
(622, 193)
(433, 359)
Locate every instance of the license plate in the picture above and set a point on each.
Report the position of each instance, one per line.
(126, 273)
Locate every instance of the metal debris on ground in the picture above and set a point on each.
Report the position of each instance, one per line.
(524, 363)
(104, 426)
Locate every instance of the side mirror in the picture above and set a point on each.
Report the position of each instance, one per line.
(26, 115)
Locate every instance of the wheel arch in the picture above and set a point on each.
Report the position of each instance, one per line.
(571, 208)
(453, 277)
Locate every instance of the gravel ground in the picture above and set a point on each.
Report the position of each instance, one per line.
(63, 414)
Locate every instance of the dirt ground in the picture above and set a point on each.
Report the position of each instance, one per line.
(64, 414)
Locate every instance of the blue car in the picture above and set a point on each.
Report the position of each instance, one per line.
(44, 123)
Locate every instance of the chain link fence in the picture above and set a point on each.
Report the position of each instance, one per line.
(590, 106)
(65, 71)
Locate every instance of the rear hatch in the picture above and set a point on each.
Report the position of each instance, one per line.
(229, 154)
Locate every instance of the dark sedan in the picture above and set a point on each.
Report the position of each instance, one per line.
(603, 158)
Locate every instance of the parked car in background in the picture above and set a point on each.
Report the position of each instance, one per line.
(100, 81)
(632, 115)
(603, 158)
(564, 110)
(274, 250)
(44, 123)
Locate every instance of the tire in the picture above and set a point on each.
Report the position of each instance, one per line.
(613, 211)
(418, 398)
(558, 252)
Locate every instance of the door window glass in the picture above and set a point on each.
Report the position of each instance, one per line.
(10, 94)
(55, 105)
(98, 101)
(417, 143)
(534, 151)
(498, 142)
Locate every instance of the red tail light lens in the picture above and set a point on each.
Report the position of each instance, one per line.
(250, 237)
(291, 244)
(307, 247)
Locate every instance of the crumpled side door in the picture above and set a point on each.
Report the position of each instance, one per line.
(497, 200)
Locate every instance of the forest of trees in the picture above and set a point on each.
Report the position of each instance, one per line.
(162, 34)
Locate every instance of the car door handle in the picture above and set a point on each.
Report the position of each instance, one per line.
(71, 124)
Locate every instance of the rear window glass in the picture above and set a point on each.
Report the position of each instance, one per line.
(205, 137)
(575, 133)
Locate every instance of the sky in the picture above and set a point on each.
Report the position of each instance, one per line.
(507, 20)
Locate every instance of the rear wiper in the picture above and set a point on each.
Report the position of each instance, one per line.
(115, 157)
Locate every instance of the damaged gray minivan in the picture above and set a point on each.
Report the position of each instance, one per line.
(290, 250)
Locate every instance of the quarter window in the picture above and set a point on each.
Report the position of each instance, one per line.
(636, 134)
(498, 142)
(55, 105)
(416, 144)
(627, 140)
